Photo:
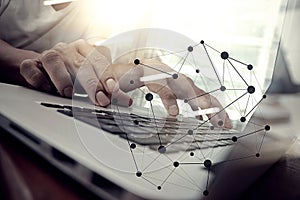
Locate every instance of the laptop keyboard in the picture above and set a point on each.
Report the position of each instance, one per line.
(176, 134)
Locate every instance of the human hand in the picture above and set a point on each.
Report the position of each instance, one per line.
(61, 64)
(170, 89)
(100, 78)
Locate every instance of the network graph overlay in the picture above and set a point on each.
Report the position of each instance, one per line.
(214, 124)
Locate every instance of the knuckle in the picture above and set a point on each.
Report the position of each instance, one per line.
(78, 61)
(60, 45)
(26, 65)
(50, 55)
(36, 78)
(91, 84)
(167, 95)
(80, 42)
(206, 100)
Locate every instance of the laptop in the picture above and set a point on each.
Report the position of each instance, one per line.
(139, 149)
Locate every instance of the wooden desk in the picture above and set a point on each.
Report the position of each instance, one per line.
(25, 175)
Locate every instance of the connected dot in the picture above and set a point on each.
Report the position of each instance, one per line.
(190, 132)
(243, 119)
(222, 88)
(138, 174)
(249, 67)
(149, 97)
(192, 154)
(251, 89)
(234, 138)
(132, 145)
(205, 192)
(207, 163)
(114, 101)
(267, 127)
(131, 82)
(224, 55)
(176, 164)
(264, 96)
(197, 71)
(136, 61)
(136, 122)
(190, 48)
(162, 149)
(202, 42)
(175, 76)
(220, 123)
(159, 187)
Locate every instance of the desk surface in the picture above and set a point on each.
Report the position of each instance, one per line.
(25, 174)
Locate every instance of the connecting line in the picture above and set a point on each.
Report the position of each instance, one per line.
(155, 69)
(151, 162)
(163, 86)
(202, 94)
(212, 64)
(148, 181)
(247, 104)
(207, 180)
(234, 89)
(254, 107)
(167, 54)
(191, 163)
(198, 146)
(183, 62)
(176, 140)
(221, 110)
(127, 140)
(168, 177)
(235, 159)
(262, 141)
(189, 178)
(237, 72)
(251, 133)
(237, 61)
(223, 75)
(155, 124)
(212, 48)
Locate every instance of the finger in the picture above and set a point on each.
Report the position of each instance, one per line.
(91, 84)
(220, 118)
(85, 49)
(205, 101)
(122, 99)
(105, 73)
(128, 75)
(100, 59)
(33, 75)
(167, 96)
(55, 67)
(193, 104)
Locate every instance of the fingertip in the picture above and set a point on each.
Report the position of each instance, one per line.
(173, 110)
(228, 124)
(102, 99)
(68, 92)
(111, 85)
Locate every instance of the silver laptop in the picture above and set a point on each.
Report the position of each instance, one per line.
(139, 150)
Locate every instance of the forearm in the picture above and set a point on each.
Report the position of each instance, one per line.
(10, 60)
